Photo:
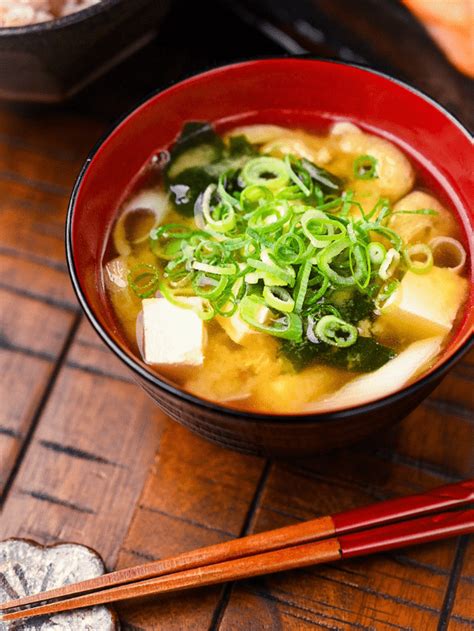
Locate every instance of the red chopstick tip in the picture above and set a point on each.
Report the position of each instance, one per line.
(408, 533)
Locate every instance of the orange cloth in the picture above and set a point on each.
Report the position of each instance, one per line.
(451, 23)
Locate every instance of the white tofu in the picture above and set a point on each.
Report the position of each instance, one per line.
(172, 335)
(238, 330)
(393, 376)
(424, 305)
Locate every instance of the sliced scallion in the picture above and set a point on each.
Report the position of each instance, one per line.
(265, 171)
(389, 264)
(418, 258)
(365, 167)
(336, 332)
(144, 280)
(287, 325)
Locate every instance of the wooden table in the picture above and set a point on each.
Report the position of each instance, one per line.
(85, 456)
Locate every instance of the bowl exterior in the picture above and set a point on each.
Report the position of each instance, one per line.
(299, 96)
(51, 61)
(297, 437)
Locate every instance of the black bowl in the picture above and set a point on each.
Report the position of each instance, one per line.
(51, 61)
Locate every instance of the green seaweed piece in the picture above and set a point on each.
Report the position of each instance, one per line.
(353, 305)
(366, 355)
(204, 158)
(240, 146)
(327, 181)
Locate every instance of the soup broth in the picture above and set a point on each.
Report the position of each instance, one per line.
(280, 271)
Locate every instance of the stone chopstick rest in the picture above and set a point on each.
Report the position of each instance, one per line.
(28, 568)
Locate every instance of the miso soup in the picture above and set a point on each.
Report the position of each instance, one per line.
(280, 271)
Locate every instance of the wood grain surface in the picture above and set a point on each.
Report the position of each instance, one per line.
(85, 456)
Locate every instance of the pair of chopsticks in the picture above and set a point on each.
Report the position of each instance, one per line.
(383, 526)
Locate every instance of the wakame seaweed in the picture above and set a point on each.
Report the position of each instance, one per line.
(195, 134)
(328, 182)
(365, 355)
(187, 184)
(353, 307)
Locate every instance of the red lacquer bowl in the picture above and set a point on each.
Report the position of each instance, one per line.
(296, 92)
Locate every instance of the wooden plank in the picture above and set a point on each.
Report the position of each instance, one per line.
(54, 133)
(47, 284)
(32, 222)
(37, 171)
(403, 590)
(197, 494)
(48, 172)
(86, 465)
(26, 377)
(32, 327)
(90, 354)
(461, 614)
(96, 438)
(32, 337)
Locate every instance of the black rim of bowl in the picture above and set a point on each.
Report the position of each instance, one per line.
(152, 378)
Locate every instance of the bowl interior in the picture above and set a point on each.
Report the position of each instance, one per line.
(296, 92)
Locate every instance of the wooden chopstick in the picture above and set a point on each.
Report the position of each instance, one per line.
(389, 537)
(449, 496)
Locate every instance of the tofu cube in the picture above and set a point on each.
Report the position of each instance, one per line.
(172, 335)
(238, 330)
(424, 305)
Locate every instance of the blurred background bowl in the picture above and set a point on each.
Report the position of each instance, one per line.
(295, 92)
(51, 61)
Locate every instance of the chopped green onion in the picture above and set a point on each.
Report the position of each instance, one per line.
(223, 194)
(226, 305)
(412, 255)
(302, 285)
(166, 241)
(377, 252)
(389, 264)
(388, 233)
(327, 256)
(320, 229)
(274, 270)
(269, 218)
(265, 171)
(144, 280)
(359, 255)
(347, 198)
(293, 176)
(206, 286)
(420, 211)
(365, 167)
(208, 250)
(336, 332)
(289, 249)
(254, 196)
(226, 219)
(287, 326)
(226, 270)
(312, 295)
(278, 298)
(277, 242)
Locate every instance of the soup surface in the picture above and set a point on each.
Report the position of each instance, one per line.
(276, 270)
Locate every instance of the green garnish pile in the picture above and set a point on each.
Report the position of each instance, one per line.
(274, 241)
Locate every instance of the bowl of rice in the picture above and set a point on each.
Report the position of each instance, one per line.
(51, 49)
